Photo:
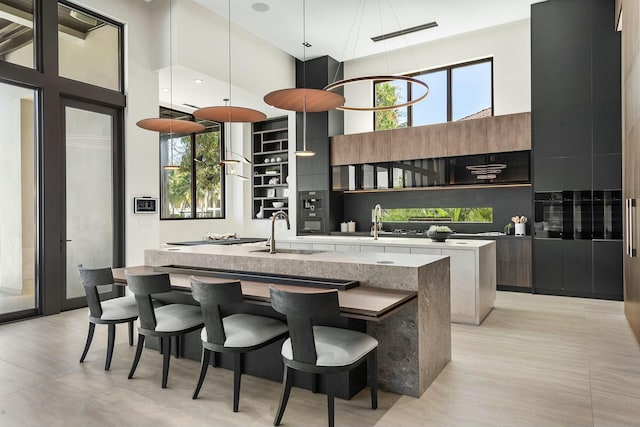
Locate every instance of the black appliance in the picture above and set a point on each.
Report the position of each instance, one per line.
(578, 215)
(551, 215)
(607, 215)
(313, 215)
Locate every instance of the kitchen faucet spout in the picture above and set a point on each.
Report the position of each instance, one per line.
(283, 214)
(377, 214)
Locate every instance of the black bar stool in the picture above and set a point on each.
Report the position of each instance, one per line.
(321, 349)
(110, 312)
(171, 320)
(237, 333)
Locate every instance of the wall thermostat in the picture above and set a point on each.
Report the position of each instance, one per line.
(145, 205)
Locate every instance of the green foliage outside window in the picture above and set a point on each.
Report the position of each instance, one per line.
(386, 96)
(437, 215)
(178, 194)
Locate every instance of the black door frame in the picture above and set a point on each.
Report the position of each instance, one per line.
(50, 90)
(117, 173)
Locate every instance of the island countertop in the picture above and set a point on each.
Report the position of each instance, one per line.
(391, 241)
(414, 343)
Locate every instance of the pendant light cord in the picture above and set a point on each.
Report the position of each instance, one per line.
(304, 75)
(170, 70)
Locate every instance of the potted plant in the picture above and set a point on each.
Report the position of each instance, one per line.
(439, 233)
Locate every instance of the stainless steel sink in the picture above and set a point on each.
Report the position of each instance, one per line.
(291, 251)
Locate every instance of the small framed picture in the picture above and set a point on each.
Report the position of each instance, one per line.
(271, 192)
(285, 192)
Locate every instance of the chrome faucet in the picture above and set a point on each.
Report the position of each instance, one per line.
(377, 215)
(272, 248)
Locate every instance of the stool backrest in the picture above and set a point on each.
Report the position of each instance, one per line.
(211, 296)
(143, 286)
(91, 278)
(302, 311)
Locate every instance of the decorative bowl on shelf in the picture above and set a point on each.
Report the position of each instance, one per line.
(439, 233)
(278, 205)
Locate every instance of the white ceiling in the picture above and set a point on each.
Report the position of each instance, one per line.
(343, 29)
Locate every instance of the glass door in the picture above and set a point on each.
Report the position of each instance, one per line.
(18, 231)
(91, 234)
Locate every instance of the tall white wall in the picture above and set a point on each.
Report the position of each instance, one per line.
(141, 147)
(509, 45)
(199, 44)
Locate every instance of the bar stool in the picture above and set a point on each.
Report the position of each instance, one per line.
(110, 312)
(165, 322)
(320, 349)
(237, 333)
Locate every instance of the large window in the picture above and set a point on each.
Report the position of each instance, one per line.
(458, 92)
(192, 185)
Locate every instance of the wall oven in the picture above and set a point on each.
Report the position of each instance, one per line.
(578, 215)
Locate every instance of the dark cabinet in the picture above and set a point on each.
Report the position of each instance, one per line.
(513, 262)
(547, 266)
(576, 270)
(607, 268)
(576, 145)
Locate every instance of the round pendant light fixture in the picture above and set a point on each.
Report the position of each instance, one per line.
(227, 113)
(169, 125)
(293, 99)
(164, 125)
(410, 80)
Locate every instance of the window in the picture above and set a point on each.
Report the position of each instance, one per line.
(192, 185)
(459, 92)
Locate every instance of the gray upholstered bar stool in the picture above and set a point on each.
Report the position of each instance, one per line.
(237, 333)
(321, 349)
(110, 312)
(164, 322)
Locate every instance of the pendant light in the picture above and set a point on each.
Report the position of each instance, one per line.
(304, 99)
(169, 125)
(227, 113)
(337, 84)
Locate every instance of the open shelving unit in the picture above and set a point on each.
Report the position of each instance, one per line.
(270, 166)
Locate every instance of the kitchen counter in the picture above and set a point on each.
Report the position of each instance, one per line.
(414, 343)
(473, 265)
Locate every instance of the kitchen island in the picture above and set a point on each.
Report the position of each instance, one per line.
(415, 342)
(473, 265)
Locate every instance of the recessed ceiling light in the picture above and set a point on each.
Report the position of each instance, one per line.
(166, 89)
(260, 7)
(198, 81)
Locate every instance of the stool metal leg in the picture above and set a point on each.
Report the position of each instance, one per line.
(372, 368)
(287, 381)
(166, 357)
(111, 338)
(237, 373)
(204, 364)
(92, 327)
(136, 359)
(131, 333)
(330, 399)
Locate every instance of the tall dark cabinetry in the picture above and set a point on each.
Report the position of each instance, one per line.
(314, 173)
(576, 148)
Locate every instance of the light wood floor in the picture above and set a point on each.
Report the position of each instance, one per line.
(535, 361)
